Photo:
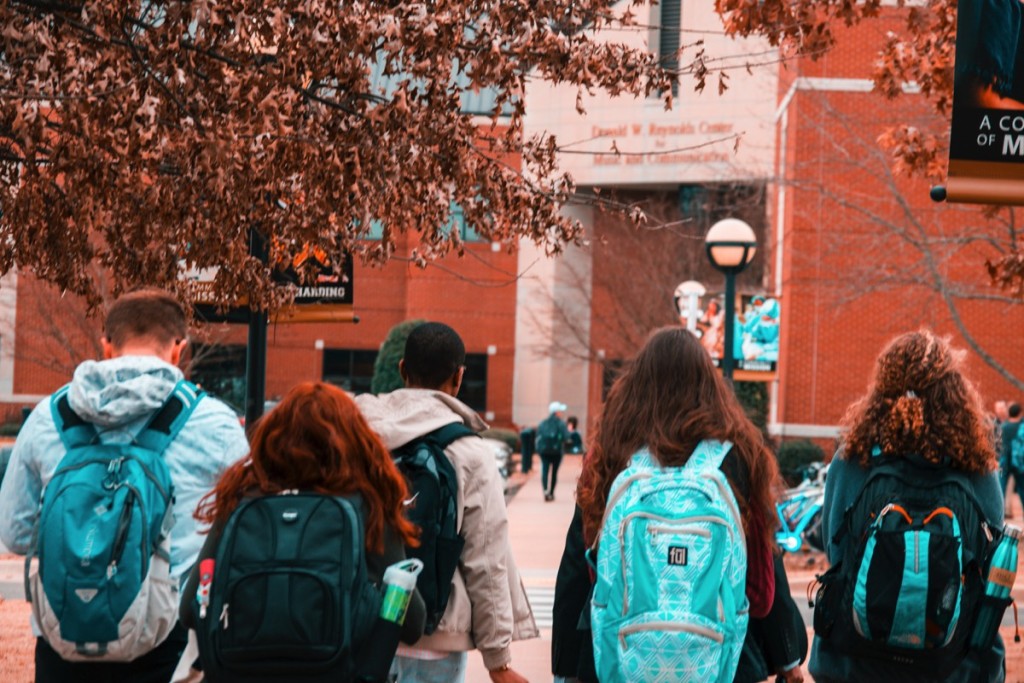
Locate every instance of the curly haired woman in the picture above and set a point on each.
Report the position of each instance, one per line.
(922, 416)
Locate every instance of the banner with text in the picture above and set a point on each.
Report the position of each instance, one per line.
(986, 147)
(755, 336)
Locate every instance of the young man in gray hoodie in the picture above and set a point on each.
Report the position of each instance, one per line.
(145, 333)
(488, 608)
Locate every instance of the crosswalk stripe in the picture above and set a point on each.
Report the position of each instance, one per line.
(542, 600)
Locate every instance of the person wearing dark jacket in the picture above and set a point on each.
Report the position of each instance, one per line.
(775, 644)
(921, 408)
(316, 440)
(669, 400)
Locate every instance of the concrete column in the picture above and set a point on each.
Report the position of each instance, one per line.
(552, 354)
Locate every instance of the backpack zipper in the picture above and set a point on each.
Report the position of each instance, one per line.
(674, 626)
(123, 526)
(223, 618)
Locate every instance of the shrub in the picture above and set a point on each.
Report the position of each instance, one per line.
(796, 455)
(753, 396)
(10, 428)
(509, 436)
(385, 369)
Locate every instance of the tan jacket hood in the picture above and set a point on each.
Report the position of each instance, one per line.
(405, 414)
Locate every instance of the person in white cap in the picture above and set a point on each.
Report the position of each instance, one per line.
(552, 433)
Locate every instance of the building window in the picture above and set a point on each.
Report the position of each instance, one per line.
(456, 221)
(220, 370)
(474, 382)
(349, 369)
(668, 39)
(610, 371)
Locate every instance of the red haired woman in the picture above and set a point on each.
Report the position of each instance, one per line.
(314, 441)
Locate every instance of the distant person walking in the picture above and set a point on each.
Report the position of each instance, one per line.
(552, 433)
(159, 445)
(912, 503)
(1011, 450)
(488, 608)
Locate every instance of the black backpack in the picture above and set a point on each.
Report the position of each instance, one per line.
(549, 433)
(910, 581)
(290, 597)
(433, 488)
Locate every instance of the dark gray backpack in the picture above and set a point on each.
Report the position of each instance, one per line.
(290, 598)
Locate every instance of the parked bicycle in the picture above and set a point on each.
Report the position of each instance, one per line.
(800, 511)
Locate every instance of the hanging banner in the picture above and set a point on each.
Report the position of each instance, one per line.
(755, 336)
(986, 148)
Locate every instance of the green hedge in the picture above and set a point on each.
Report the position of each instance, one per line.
(385, 369)
(795, 455)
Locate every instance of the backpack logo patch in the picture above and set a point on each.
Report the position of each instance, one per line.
(677, 556)
(86, 594)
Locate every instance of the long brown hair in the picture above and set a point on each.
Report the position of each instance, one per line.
(669, 399)
(316, 439)
(920, 402)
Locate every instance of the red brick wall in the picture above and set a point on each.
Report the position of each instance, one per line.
(837, 314)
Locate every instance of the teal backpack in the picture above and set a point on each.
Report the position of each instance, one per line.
(670, 603)
(101, 588)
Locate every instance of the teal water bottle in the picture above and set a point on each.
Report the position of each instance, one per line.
(1002, 572)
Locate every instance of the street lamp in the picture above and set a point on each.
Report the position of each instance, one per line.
(685, 297)
(730, 244)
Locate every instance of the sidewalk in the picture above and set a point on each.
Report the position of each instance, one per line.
(537, 533)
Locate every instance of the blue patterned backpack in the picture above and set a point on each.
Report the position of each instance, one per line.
(670, 603)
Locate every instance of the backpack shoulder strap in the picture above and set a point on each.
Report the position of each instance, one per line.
(167, 422)
(447, 435)
(708, 455)
(74, 431)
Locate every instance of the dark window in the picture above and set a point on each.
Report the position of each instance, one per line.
(349, 369)
(668, 40)
(610, 372)
(220, 370)
(474, 382)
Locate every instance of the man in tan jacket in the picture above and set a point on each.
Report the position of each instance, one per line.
(488, 608)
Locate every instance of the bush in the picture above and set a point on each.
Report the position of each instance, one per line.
(794, 456)
(10, 428)
(385, 369)
(753, 396)
(509, 436)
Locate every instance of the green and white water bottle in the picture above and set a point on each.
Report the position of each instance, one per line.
(399, 582)
(1002, 572)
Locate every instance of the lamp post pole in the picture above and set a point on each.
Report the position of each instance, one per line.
(730, 245)
(730, 324)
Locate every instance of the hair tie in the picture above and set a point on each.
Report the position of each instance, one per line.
(910, 394)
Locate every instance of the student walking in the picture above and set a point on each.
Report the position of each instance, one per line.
(677, 494)
(488, 608)
(912, 506)
(124, 453)
(552, 435)
(280, 549)
(1011, 450)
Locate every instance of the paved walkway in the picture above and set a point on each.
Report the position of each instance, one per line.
(537, 533)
